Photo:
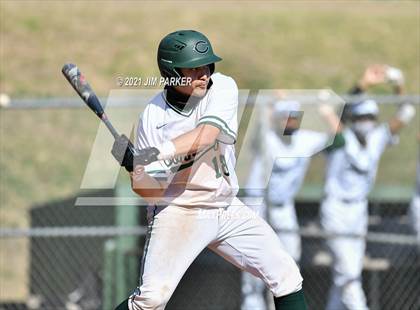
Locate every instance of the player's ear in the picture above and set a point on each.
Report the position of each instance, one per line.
(212, 67)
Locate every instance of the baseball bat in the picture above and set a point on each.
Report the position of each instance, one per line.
(82, 87)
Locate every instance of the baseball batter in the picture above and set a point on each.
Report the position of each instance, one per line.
(187, 134)
(291, 150)
(351, 171)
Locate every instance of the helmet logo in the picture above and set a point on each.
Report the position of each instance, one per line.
(179, 46)
(201, 47)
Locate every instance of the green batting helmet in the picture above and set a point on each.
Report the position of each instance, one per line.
(184, 49)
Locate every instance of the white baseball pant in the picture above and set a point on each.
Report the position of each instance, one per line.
(346, 218)
(415, 216)
(178, 234)
(281, 217)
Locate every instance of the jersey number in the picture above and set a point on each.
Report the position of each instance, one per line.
(223, 164)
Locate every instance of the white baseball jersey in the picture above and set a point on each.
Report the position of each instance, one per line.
(351, 170)
(291, 160)
(206, 178)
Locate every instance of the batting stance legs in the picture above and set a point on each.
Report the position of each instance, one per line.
(178, 234)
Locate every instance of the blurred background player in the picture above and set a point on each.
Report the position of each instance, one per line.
(415, 202)
(351, 172)
(290, 149)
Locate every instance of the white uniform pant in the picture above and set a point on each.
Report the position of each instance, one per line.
(178, 234)
(284, 217)
(281, 218)
(348, 253)
(415, 216)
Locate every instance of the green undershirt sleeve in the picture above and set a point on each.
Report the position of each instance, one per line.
(338, 142)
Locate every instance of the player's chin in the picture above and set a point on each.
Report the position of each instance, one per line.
(199, 91)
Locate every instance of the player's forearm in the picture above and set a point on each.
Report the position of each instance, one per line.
(395, 125)
(331, 118)
(151, 189)
(196, 139)
(190, 142)
(399, 89)
(359, 88)
(404, 115)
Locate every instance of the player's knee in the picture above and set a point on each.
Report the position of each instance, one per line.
(289, 279)
(279, 262)
(155, 300)
(296, 281)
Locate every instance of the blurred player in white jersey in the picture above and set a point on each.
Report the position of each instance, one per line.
(290, 149)
(415, 202)
(351, 171)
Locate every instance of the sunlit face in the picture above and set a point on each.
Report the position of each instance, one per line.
(293, 123)
(200, 78)
(362, 125)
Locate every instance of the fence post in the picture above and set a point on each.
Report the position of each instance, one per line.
(125, 266)
(108, 291)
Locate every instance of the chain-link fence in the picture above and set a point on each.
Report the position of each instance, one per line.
(74, 261)
(391, 263)
(87, 257)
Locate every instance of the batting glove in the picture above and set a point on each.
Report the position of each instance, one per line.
(394, 76)
(146, 156)
(123, 151)
(406, 112)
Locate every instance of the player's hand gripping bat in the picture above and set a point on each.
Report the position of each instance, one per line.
(123, 150)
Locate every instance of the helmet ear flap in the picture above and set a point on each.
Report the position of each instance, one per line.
(166, 73)
(212, 67)
(178, 72)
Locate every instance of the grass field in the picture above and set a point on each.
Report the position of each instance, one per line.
(264, 45)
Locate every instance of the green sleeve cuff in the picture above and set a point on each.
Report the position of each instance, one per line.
(338, 142)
